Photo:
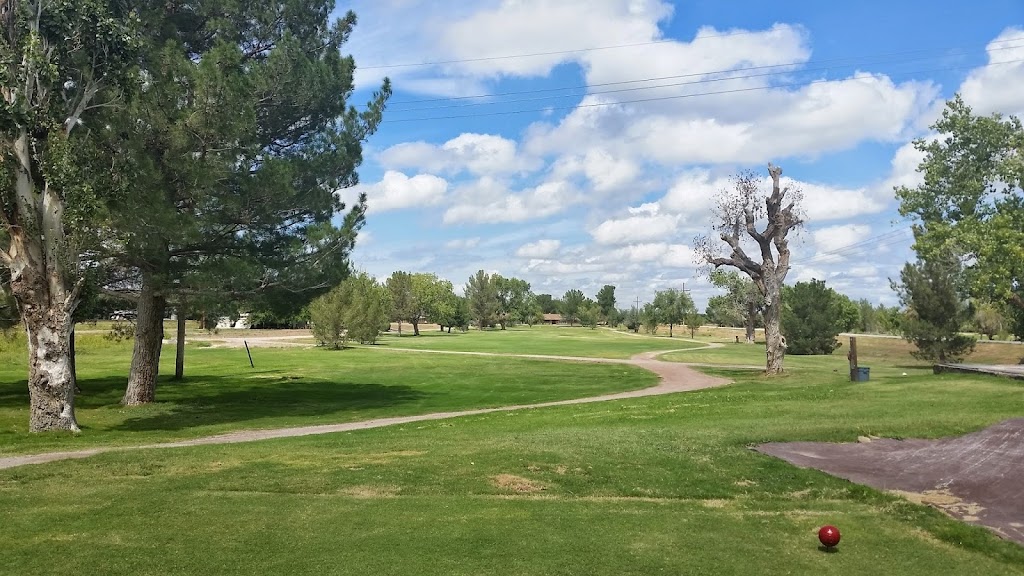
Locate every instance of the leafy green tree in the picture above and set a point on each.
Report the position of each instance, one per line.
(571, 302)
(812, 318)
(532, 312)
(513, 297)
(889, 319)
(589, 313)
(935, 313)
(371, 306)
(673, 305)
(434, 295)
(462, 315)
(736, 218)
(867, 315)
(606, 300)
(739, 306)
(632, 320)
(721, 312)
(970, 202)
(482, 297)
(694, 320)
(548, 305)
(650, 317)
(988, 319)
(847, 311)
(64, 67)
(327, 314)
(403, 301)
(244, 135)
(614, 318)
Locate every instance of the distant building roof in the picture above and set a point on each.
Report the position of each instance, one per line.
(550, 317)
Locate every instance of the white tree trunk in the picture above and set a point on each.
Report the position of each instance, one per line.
(775, 347)
(51, 382)
(39, 259)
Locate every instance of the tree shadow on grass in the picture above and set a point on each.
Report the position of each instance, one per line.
(206, 400)
(283, 397)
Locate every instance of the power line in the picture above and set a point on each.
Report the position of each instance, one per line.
(664, 98)
(635, 88)
(856, 60)
(556, 52)
(890, 238)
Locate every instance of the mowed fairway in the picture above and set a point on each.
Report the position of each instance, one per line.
(541, 340)
(288, 387)
(643, 486)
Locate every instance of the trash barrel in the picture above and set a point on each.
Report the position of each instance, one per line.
(863, 374)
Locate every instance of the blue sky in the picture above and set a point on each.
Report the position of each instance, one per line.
(577, 143)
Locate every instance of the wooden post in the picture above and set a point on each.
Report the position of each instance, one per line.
(852, 356)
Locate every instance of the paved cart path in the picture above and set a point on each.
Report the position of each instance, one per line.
(674, 377)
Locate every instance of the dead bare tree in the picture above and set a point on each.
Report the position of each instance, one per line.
(736, 218)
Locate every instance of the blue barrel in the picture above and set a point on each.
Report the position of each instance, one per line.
(863, 374)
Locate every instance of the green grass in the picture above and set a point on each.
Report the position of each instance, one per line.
(544, 340)
(645, 486)
(884, 356)
(288, 387)
(657, 485)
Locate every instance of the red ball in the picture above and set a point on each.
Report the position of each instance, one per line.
(829, 536)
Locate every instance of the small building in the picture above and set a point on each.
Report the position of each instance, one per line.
(553, 319)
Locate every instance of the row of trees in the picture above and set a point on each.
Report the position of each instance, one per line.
(360, 308)
(170, 155)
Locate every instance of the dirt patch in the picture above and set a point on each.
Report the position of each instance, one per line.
(517, 484)
(975, 477)
(370, 491)
(944, 500)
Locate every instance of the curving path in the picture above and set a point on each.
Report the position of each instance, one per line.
(675, 377)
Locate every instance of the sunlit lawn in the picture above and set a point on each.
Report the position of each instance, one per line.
(288, 387)
(646, 486)
(544, 340)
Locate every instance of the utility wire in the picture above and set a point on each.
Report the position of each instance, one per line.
(857, 60)
(654, 87)
(556, 52)
(673, 97)
(891, 238)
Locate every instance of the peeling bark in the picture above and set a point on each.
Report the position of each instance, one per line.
(38, 259)
(51, 375)
(149, 336)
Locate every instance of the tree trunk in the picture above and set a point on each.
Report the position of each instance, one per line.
(51, 373)
(669, 329)
(39, 260)
(775, 347)
(51, 384)
(750, 321)
(416, 327)
(399, 327)
(149, 335)
(179, 353)
(74, 367)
